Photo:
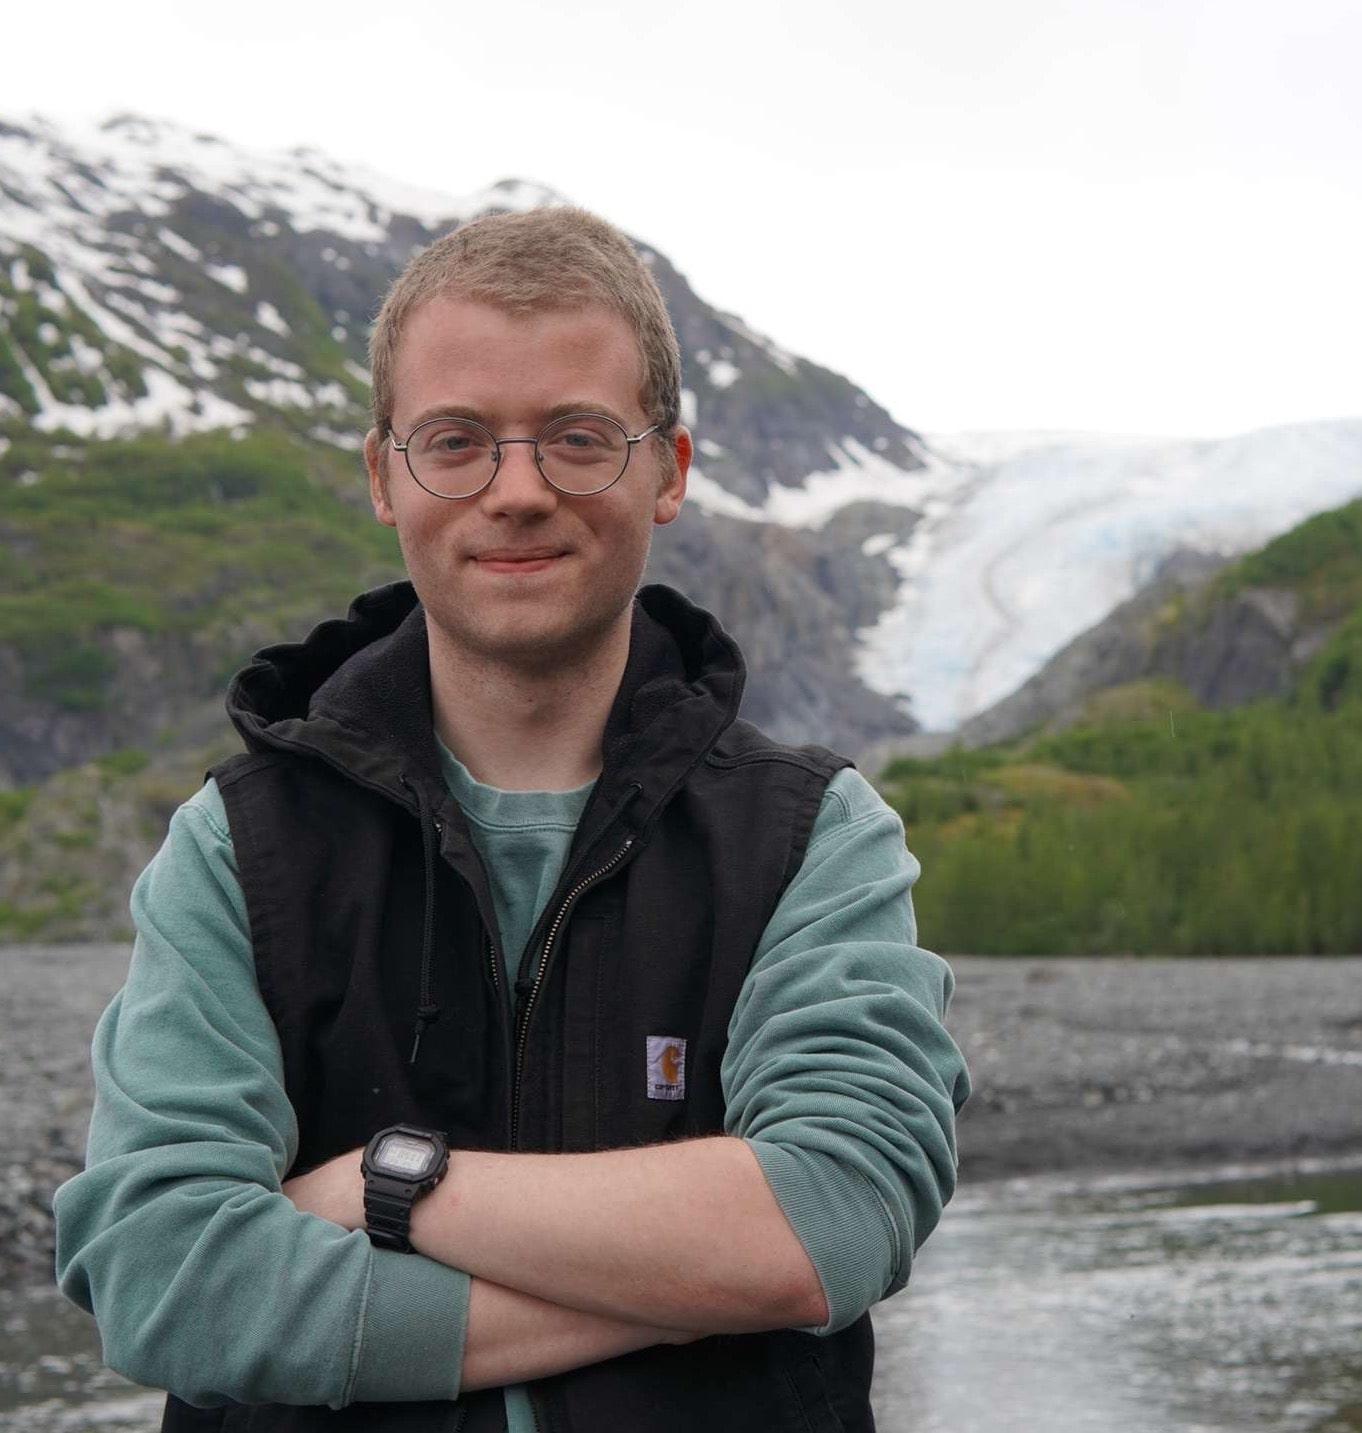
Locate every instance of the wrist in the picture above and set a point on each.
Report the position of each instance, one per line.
(400, 1165)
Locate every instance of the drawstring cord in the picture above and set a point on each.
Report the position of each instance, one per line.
(427, 1012)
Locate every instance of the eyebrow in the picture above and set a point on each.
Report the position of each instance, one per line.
(559, 410)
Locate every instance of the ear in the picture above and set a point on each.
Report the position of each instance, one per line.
(672, 493)
(376, 455)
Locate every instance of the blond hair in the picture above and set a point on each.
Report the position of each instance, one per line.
(559, 257)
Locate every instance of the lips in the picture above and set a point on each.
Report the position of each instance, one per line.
(519, 563)
(510, 554)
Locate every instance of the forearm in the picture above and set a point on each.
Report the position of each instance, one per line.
(514, 1337)
(214, 1288)
(203, 1280)
(686, 1235)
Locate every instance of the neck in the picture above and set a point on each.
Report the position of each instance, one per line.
(523, 730)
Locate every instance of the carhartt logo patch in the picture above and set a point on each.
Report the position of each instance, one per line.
(666, 1067)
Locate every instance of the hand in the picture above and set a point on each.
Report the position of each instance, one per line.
(335, 1190)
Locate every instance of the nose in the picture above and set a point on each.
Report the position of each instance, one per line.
(518, 487)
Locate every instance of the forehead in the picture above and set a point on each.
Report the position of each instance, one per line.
(463, 353)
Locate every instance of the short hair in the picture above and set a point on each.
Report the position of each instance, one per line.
(557, 257)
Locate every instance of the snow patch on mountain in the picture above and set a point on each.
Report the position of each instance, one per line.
(145, 164)
(856, 474)
(267, 316)
(722, 373)
(230, 276)
(62, 184)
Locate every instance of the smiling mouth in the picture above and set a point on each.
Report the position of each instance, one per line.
(519, 564)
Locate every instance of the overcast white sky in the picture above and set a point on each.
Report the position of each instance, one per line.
(1134, 216)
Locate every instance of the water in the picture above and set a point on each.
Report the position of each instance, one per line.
(1220, 1306)
(52, 1376)
(1215, 1305)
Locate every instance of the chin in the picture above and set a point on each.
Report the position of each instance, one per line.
(533, 634)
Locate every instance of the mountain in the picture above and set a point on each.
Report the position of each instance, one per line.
(1043, 534)
(160, 283)
(182, 397)
(1180, 780)
(1221, 631)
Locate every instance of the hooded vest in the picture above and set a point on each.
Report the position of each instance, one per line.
(378, 956)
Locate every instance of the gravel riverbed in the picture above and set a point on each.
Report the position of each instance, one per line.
(1082, 1065)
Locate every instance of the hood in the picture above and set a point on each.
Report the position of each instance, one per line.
(356, 694)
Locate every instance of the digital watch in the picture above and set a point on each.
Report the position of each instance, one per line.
(400, 1164)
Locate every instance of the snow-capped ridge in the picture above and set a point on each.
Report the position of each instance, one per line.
(133, 153)
(72, 189)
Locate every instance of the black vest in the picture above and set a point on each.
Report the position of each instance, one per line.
(354, 856)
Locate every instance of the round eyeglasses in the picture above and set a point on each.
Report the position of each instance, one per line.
(580, 454)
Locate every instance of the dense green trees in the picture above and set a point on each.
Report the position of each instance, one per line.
(1214, 833)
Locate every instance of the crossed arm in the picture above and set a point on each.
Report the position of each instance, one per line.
(578, 1257)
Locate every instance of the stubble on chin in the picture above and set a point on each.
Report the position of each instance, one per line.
(541, 640)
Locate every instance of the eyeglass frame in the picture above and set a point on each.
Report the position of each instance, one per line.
(498, 442)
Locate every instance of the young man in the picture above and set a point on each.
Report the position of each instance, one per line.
(502, 867)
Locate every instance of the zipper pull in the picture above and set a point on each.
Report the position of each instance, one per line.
(425, 1015)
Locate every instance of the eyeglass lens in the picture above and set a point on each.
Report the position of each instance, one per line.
(578, 454)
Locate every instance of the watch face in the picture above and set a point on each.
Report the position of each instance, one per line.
(404, 1156)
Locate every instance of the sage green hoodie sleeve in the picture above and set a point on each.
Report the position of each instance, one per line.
(203, 1277)
(839, 1070)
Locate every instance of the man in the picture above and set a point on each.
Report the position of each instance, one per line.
(502, 866)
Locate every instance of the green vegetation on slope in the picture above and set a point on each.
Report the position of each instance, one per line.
(1153, 826)
(215, 537)
(71, 848)
(1320, 560)
(208, 549)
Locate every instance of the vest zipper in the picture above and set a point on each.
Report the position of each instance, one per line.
(524, 1022)
(486, 932)
(492, 959)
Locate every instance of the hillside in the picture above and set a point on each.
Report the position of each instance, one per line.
(1206, 804)
(1229, 631)
(1145, 820)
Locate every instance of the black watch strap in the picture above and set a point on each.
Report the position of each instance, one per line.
(387, 1212)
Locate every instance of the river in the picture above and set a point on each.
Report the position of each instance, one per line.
(1047, 1305)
